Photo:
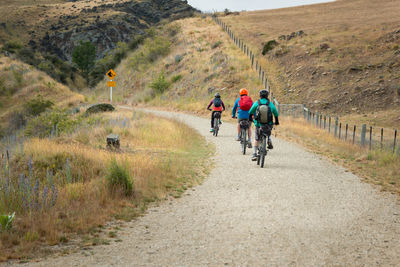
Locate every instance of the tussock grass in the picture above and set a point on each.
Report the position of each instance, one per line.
(158, 159)
(379, 167)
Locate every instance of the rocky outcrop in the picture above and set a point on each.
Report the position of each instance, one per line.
(105, 28)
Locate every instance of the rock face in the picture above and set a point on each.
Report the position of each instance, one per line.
(107, 24)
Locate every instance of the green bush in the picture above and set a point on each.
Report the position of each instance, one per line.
(99, 108)
(46, 122)
(118, 178)
(6, 221)
(269, 46)
(160, 84)
(216, 44)
(176, 78)
(36, 106)
(12, 46)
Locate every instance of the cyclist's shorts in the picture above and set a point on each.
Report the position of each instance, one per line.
(267, 129)
(239, 120)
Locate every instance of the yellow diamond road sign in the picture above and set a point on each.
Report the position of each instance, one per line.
(111, 84)
(111, 74)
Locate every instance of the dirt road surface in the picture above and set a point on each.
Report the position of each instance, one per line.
(298, 211)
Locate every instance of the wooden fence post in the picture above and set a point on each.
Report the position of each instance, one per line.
(363, 133)
(347, 128)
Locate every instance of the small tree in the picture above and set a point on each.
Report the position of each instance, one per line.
(160, 84)
(84, 56)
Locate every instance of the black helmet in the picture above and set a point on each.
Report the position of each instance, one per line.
(264, 93)
(217, 95)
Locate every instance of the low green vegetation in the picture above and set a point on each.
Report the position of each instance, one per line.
(160, 84)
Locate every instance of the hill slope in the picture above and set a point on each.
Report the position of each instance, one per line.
(344, 59)
(21, 83)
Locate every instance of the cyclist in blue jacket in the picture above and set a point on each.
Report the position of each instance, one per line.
(242, 106)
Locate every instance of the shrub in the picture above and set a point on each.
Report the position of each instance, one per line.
(269, 46)
(160, 84)
(216, 44)
(136, 41)
(178, 58)
(6, 221)
(118, 178)
(173, 29)
(49, 123)
(36, 106)
(12, 46)
(176, 78)
(99, 108)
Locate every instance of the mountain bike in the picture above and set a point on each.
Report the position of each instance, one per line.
(263, 140)
(217, 120)
(244, 133)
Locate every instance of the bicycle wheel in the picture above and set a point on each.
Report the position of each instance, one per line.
(244, 140)
(264, 152)
(216, 127)
(259, 151)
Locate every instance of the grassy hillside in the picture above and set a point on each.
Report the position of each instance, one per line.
(20, 84)
(346, 62)
(196, 59)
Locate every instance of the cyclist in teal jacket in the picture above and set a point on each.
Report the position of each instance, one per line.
(264, 100)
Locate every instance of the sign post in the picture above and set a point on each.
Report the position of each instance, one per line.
(111, 74)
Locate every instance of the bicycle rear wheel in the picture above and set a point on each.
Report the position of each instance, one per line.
(216, 127)
(264, 152)
(243, 140)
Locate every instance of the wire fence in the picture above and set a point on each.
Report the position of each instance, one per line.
(362, 135)
(357, 134)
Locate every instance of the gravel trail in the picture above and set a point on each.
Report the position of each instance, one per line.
(298, 211)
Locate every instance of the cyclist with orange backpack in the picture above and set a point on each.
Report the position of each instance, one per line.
(218, 107)
(243, 105)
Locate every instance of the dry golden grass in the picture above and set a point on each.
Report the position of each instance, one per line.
(360, 34)
(377, 166)
(22, 83)
(163, 158)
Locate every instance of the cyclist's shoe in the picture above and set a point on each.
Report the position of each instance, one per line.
(249, 145)
(237, 138)
(254, 157)
(211, 130)
(270, 146)
(220, 122)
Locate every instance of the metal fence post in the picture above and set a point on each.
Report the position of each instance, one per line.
(370, 137)
(382, 138)
(324, 122)
(329, 124)
(347, 128)
(363, 133)
(394, 143)
(317, 119)
(336, 125)
(354, 133)
(340, 130)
